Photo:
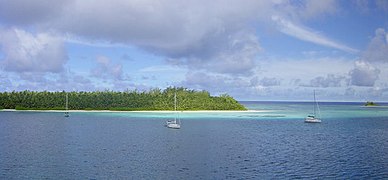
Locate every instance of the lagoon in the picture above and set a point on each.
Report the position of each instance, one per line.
(272, 142)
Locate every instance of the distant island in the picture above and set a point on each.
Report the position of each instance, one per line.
(152, 100)
(370, 103)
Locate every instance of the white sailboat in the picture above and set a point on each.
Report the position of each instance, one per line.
(174, 124)
(67, 102)
(314, 118)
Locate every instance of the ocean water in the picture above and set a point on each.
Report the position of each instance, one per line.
(350, 143)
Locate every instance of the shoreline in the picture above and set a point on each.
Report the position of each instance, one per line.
(155, 111)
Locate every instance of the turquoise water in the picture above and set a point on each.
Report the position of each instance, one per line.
(350, 143)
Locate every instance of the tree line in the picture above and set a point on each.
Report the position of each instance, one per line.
(130, 100)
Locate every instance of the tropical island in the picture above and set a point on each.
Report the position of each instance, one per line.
(130, 100)
(370, 103)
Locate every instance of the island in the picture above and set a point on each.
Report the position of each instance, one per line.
(370, 103)
(130, 100)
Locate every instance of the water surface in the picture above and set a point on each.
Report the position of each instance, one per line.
(351, 142)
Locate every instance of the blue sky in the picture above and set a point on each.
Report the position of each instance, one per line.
(252, 50)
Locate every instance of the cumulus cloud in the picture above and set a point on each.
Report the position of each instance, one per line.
(239, 87)
(200, 80)
(377, 50)
(217, 83)
(5, 83)
(107, 69)
(27, 52)
(24, 12)
(366, 71)
(215, 38)
(364, 74)
(331, 80)
(239, 55)
(255, 81)
(216, 41)
(236, 55)
(171, 28)
(270, 82)
(313, 8)
(39, 81)
(219, 36)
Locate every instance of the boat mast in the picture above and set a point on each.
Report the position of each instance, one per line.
(319, 111)
(174, 101)
(175, 107)
(67, 101)
(314, 104)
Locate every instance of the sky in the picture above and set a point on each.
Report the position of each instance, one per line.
(249, 49)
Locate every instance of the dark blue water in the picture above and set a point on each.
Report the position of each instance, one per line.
(350, 143)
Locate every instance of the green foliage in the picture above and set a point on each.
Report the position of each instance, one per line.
(370, 103)
(154, 99)
(20, 108)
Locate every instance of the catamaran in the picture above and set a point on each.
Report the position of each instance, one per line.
(314, 118)
(175, 123)
(67, 102)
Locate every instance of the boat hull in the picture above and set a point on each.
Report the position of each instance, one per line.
(312, 120)
(174, 125)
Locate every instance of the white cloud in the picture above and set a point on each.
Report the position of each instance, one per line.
(305, 34)
(216, 83)
(386, 38)
(213, 35)
(5, 83)
(173, 28)
(305, 69)
(377, 50)
(160, 68)
(105, 69)
(315, 8)
(26, 52)
(237, 55)
(25, 12)
(38, 81)
(218, 35)
(331, 80)
(216, 41)
(264, 82)
(364, 74)
(307, 9)
(372, 66)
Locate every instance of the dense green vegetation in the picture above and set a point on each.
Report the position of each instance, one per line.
(154, 99)
(370, 103)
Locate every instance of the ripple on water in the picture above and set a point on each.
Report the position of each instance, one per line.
(90, 146)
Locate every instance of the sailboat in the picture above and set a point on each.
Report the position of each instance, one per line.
(314, 118)
(175, 123)
(67, 102)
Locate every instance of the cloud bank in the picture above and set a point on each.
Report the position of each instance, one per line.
(27, 52)
(216, 42)
(215, 35)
